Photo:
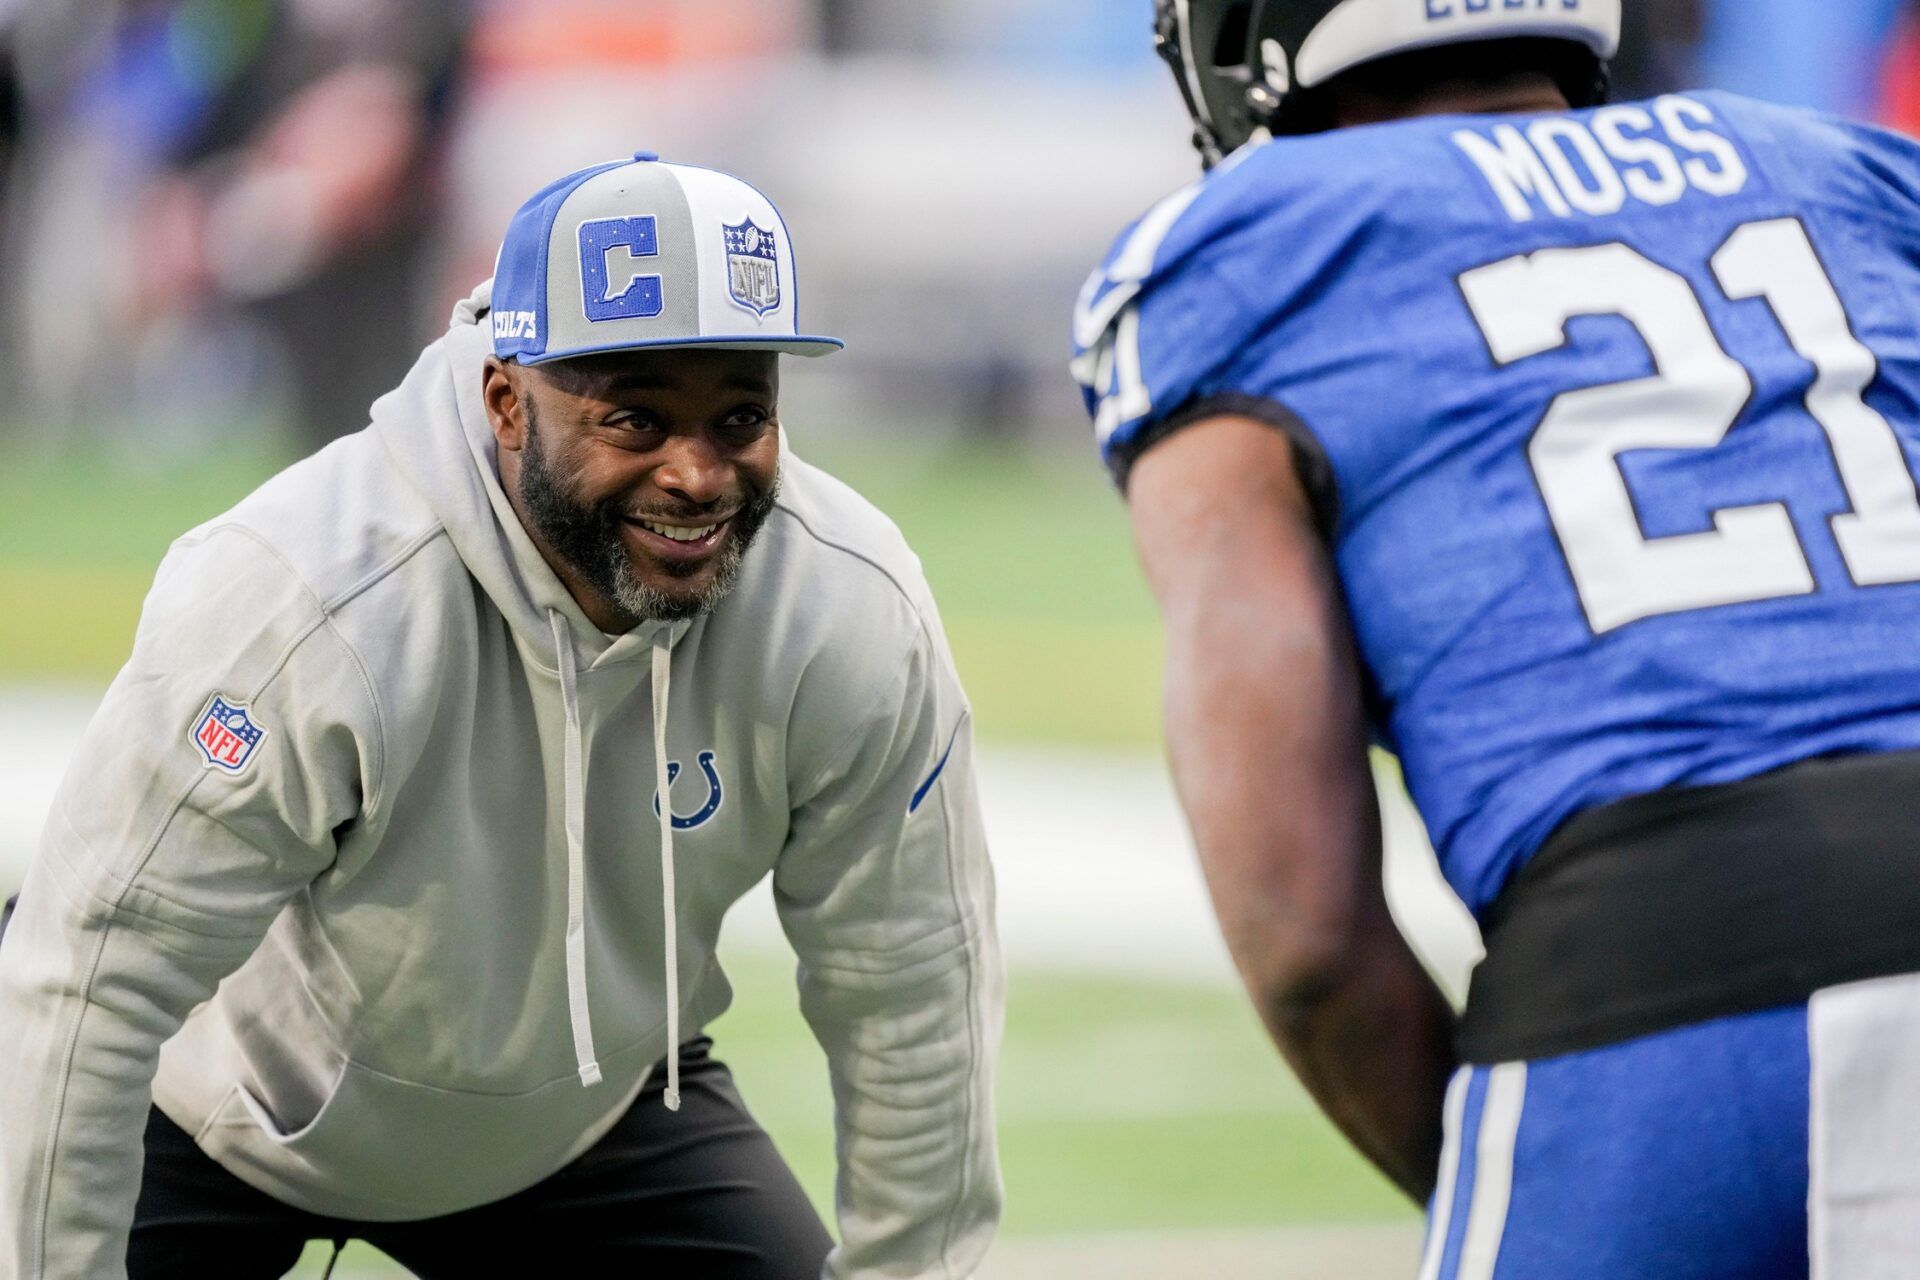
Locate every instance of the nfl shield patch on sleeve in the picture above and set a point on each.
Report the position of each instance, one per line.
(227, 737)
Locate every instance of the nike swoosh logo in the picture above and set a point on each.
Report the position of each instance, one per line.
(938, 769)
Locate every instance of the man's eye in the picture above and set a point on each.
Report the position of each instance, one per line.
(747, 419)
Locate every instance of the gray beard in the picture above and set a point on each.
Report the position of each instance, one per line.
(587, 537)
(650, 604)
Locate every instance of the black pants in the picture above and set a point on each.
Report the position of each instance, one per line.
(700, 1193)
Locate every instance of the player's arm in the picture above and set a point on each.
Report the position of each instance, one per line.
(886, 893)
(1267, 734)
(158, 874)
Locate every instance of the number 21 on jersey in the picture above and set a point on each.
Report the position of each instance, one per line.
(1523, 306)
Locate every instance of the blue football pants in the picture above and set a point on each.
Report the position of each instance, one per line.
(1772, 1146)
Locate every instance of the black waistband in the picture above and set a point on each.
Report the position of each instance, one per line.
(1690, 904)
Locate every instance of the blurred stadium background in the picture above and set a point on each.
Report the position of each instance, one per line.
(227, 225)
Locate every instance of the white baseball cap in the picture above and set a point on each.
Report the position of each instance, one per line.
(639, 254)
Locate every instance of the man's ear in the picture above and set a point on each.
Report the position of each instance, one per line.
(500, 392)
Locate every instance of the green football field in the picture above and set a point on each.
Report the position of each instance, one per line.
(1125, 1106)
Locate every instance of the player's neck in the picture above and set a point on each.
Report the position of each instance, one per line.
(1520, 95)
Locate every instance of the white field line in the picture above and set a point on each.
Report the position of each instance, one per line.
(1096, 871)
(39, 729)
(1387, 1252)
(1384, 1252)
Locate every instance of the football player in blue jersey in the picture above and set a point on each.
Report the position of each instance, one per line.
(1568, 451)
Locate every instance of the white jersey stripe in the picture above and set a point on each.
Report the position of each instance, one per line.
(1493, 1171)
(1442, 1217)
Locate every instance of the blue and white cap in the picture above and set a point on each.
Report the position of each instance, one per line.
(642, 254)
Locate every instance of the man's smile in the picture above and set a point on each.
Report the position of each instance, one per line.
(679, 542)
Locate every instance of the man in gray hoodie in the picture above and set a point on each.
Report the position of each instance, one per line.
(382, 899)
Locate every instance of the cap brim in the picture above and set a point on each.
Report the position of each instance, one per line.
(800, 345)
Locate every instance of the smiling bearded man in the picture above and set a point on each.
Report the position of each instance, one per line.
(382, 900)
(670, 554)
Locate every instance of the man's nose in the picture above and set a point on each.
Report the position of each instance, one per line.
(693, 471)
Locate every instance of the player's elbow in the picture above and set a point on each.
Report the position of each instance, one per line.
(1294, 1001)
(1296, 969)
(1297, 907)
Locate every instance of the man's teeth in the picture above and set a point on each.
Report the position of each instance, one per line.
(679, 533)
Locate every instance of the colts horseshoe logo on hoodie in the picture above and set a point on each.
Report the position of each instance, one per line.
(716, 794)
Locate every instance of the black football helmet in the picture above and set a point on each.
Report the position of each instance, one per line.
(1242, 63)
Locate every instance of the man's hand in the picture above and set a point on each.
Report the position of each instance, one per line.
(1267, 734)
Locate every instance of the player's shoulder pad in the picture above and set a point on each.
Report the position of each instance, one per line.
(1185, 307)
(1832, 154)
(1160, 323)
(1148, 258)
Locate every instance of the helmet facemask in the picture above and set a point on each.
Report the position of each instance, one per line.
(1207, 45)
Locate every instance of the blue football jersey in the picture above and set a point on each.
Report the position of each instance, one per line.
(1620, 410)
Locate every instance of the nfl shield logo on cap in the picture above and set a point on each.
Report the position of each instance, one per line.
(641, 254)
(753, 268)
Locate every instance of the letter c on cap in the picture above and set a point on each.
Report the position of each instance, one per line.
(613, 284)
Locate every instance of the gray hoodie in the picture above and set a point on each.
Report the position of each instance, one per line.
(359, 866)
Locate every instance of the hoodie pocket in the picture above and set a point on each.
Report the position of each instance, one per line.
(381, 1149)
(271, 1127)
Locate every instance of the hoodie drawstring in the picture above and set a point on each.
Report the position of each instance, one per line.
(663, 782)
(576, 824)
(578, 1010)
